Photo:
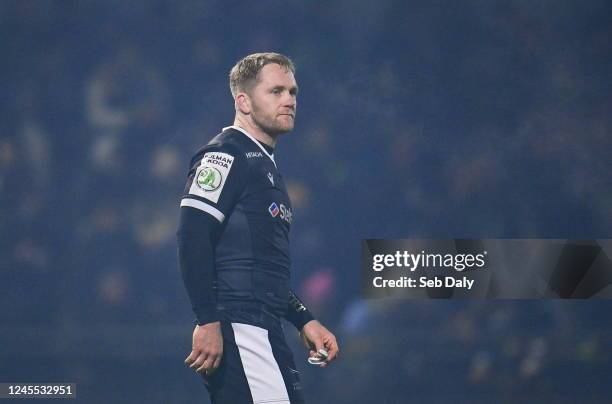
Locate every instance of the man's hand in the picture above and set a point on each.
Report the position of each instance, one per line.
(207, 348)
(316, 337)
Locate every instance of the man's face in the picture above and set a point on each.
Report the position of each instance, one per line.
(274, 100)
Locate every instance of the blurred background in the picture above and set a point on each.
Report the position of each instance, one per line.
(425, 119)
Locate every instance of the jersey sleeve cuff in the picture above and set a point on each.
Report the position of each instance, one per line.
(204, 207)
(206, 317)
(300, 319)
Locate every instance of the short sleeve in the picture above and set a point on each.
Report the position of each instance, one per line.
(216, 180)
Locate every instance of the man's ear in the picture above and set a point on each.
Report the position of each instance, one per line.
(243, 103)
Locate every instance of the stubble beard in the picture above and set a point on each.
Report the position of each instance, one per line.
(270, 125)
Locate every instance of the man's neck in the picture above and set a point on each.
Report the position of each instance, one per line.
(255, 131)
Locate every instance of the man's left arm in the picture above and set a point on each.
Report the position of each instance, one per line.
(297, 313)
(314, 335)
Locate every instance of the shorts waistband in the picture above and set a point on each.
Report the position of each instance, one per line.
(251, 306)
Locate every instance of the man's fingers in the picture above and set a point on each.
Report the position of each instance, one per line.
(206, 365)
(211, 363)
(332, 349)
(191, 358)
(217, 362)
(306, 341)
(319, 344)
(206, 362)
(198, 362)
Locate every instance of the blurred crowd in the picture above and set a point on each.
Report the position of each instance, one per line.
(415, 119)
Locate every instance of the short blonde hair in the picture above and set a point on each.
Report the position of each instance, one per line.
(243, 75)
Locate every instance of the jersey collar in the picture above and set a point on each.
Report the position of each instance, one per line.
(247, 134)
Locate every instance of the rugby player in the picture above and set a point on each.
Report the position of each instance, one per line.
(233, 247)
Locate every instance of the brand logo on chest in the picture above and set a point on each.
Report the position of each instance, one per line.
(251, 154)
(281, 211)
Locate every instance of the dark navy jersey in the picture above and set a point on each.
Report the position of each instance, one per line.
(235, 180)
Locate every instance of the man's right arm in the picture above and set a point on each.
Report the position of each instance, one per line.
(196, 232)
(195, 235)
(216, 180)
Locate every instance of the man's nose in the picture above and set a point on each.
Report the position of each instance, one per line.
(289, 100)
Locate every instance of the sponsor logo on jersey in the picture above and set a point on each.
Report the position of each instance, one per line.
(273, 209)
(271, 178)
(211, 175)
(252, 154)
(218, 159)
(209, 179)
(282, 211)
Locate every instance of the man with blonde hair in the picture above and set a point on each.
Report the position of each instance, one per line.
(233, 240)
